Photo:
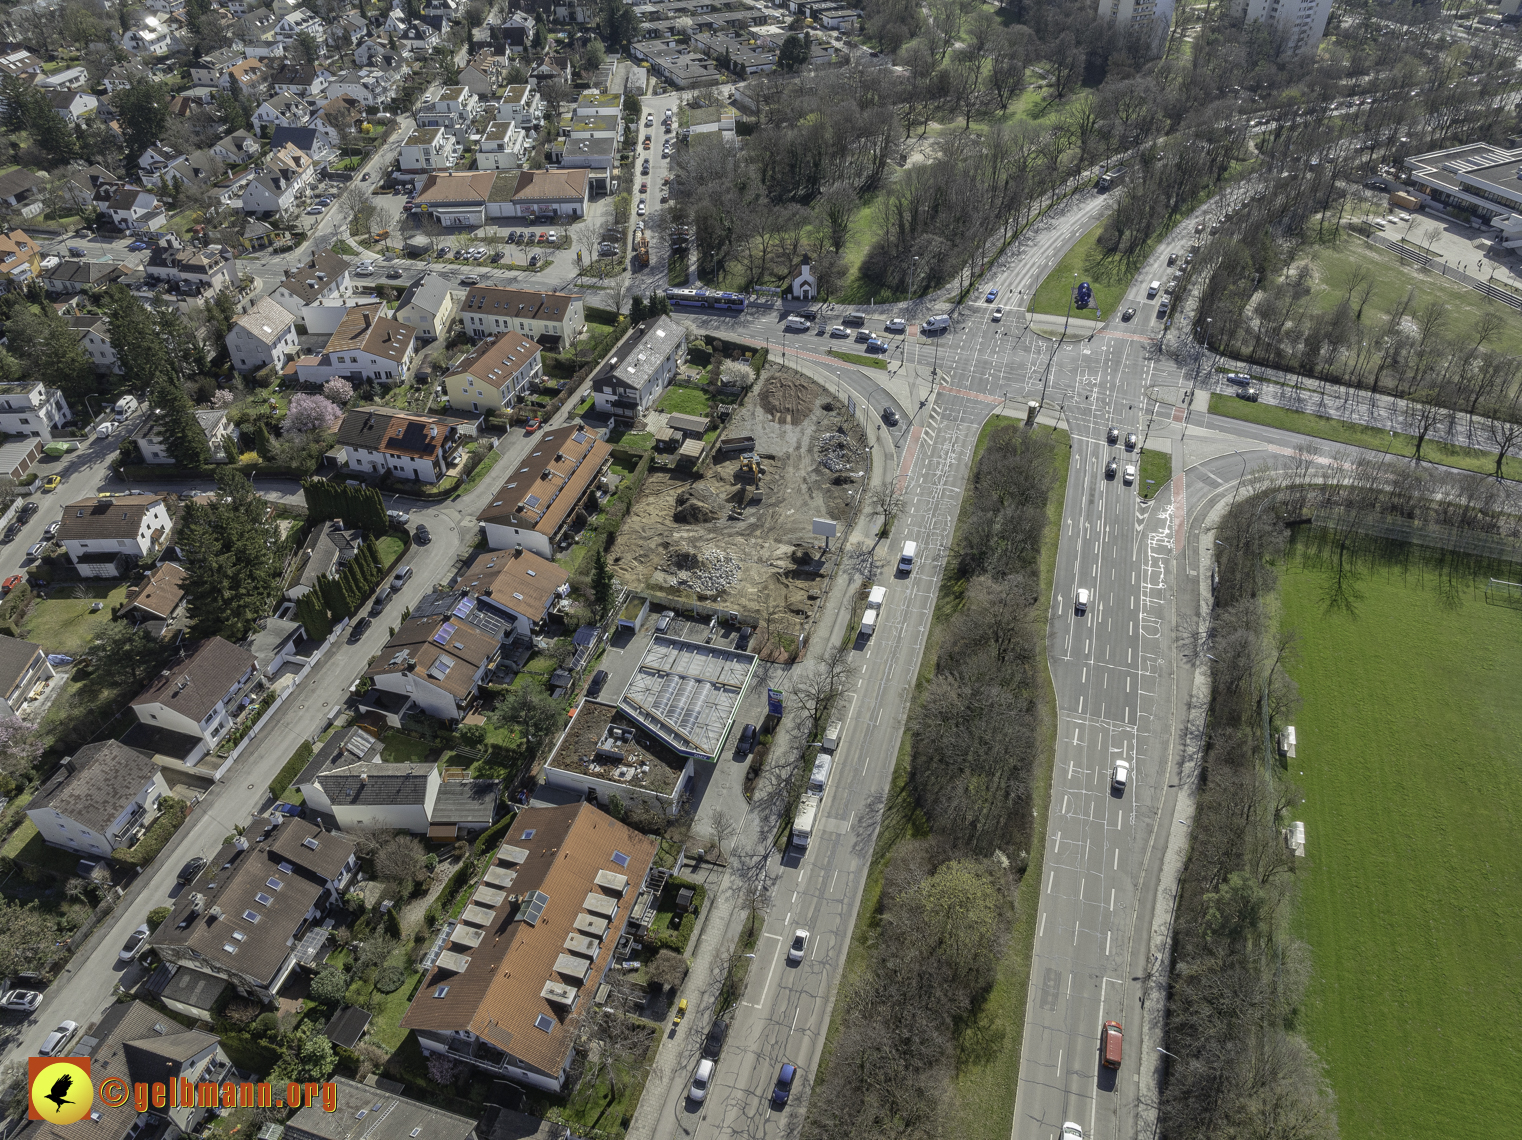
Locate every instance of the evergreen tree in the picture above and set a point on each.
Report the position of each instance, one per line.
(354, 586)
(372, 551)
(233, 559)
(319, 498)
(333, 597)
(136, 341)
(603, 586)
(177, 425)
(313, 616)
(373, 509)
(367, 567)
(143, 111)
(262, 443)
(186, 349)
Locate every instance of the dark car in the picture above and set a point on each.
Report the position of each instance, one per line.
(190, 870)
(742, 643)
(1110, 469)
(784, 1086)
(12, 531)
(421, 536)
(714, 1043)
(747, 740)
(890, 417)
(809, 315)
(357, 630)
(28, 509)
(1113, 435)
(599, 679)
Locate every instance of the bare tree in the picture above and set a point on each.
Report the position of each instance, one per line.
(615, 1042)
(723, 827)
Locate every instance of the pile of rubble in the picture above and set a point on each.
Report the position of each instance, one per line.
(711, 572)
(839, 452)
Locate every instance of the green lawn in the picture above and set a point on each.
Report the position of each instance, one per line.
(482, 470)
(632, 440)
(1108, 276)
(1412, 886)
(391, 547)
(858, 359)
(1156, 469)
(25, 846)
(398, 749)
(64, 624)
(1358, 435)
(683, 400)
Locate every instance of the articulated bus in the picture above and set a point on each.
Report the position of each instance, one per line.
(704, 299)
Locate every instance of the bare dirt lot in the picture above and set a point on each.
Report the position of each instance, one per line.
(704, 539)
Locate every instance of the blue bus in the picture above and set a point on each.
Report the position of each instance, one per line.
(704, 299)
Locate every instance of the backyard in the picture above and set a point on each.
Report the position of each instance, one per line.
(684, 400)
(63, 622)
(1410, 896)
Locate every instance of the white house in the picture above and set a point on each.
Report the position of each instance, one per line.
(436, 664)
(99, 799)
(23, 667)
(236, 148)
(546, 317)
(367, 346)
(201, 691)
(427, 149)
(347, 780)
(406, 445)
(503, 146)
(372, 86)
(282, 111)
(94, 332)
(264, 335)
(31, 408)
(133, 208)
(270, 194)
(639, 369)
(298, 21)
(805, 286)
(101, 536)
(214, 423)
(152, 37)
(428, 305)
(521, 105)
(453, 108)
(534, 513)
(73, 105)
(322, 282)
(496, 374)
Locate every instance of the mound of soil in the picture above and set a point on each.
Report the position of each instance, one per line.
(698, 505)
(787, 396)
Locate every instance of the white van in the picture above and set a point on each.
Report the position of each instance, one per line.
(876, 597)
(935, 324)
(796, 324)
(869, 622)
(1153, 288)
(105, 429)
(126, 405)
(906, 559)
(821, 774)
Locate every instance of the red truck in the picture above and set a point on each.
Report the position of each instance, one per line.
(1109, 1045)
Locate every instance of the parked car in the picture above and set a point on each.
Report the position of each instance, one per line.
(21, 1001)
(52, 482)
(599, 679)
(747, 742)
(421, 536)
(713, 1044)
(357, 630)
(12, 531)
(784, 1086)
(532, 426)
(37, 548)
(701, 1080)
(380, 601)
(191, 869)
(800, 946)
(400, 518)
(28, 509)
(56, 1041)
(10, 584)
(52, 528)
(896, 324)
(134, 943)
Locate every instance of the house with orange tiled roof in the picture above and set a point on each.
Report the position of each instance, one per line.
(539, 502)
(436, 663)
(496, 374)
(404, 445)
(549, 192)
(367, 347)
(517, 584)
(508, 993)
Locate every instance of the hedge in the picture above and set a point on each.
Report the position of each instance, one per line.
(292, 769)
(675, 940)
(148, 847)
(599, 315)
(758, 361)
(699, 354)
(489, 838)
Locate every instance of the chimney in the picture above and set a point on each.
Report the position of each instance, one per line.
(366, 314)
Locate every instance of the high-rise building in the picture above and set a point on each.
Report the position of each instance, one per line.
(1136, 13)
(1303, 20)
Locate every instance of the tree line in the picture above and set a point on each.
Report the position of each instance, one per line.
(978, 732)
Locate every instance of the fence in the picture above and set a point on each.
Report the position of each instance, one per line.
(1502, 593)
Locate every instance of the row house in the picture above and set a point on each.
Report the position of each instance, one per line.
(521, 104)
(484, 74)
(367, 347)
(503, 147)
(496, 375)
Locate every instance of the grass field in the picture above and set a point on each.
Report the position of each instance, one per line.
(859, 359)
(1335, 263)
(684, 400)
(65, 624)
(1155, 471)
(1108, 276)
(1412, 889)
(1358, 435)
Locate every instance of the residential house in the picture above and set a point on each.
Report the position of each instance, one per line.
(192, 270)
(639, 369)
(366, 1112)
(322, 281)
(313, 143)
(151, 37)
(209, 69)
(158, 598)
(517, 31)
(348, 780)
(21, 190)
(679, 66)
(553, 319)
(536, 504)
(72, 106)
(257, 33)
(297, 21)
(191, 169)
(598, 157)
(541, 193)
(372, 86)
(441, 13)
(18, 62)
(248, 79)
(405, 445)
(347, 30)
(367, 347)
(427, 149)
(428, 305)
(417, 39)
(509, 994)
(237, 148)
(496, 375)
(596, 105)
(300, 79)
(436, 665)
(245, 918)
(79, 187)
(263, 336)
(201, 692)
(94, 332)
(23, 667)
(520, 104)
(453, 108)
(289, 161)
(20, 258)
(152, 163)
(143, 1048)
(373, 52)
(551, 67)
(464, 199)
(103, 536)
(270, 195)
(134, 208)
(77, 275)
(503, 147)
(329, 549)
(339, 119)
(123, 76)
(282, 111)
(69, 79)
(483, 75)
(30, 408)
(99, 799)
(518, 584)
(602, 127)
(214, 423)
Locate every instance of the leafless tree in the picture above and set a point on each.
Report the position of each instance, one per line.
(615, 1042)
(723, 826)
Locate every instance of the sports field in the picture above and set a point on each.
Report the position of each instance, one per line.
(1410, 754)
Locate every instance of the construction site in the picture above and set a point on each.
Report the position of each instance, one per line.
(738, 532)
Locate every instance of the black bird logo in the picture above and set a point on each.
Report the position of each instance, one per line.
(60, 1092)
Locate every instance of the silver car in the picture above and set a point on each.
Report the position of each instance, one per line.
(58, 1040)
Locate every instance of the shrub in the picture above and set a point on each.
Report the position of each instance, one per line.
(241, 1011)
(156, 916)
(291, 770)
(329, 986)
(267, 1026)
(389, 978)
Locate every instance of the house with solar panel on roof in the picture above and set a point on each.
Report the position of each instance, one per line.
(348, 782)
(438, 663)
